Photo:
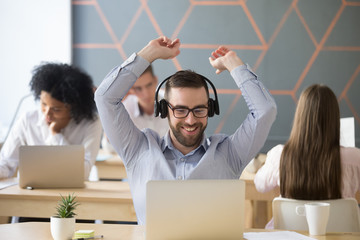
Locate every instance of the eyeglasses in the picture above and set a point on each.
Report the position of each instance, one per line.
(183, 112)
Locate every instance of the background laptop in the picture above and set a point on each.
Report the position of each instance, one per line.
(195, 209)
(51, 166)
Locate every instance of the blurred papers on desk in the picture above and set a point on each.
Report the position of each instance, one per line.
(102, 157)
(280, 235)
(347, 132)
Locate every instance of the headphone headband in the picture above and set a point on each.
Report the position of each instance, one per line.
(160, 107)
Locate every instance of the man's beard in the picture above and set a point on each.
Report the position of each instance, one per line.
(189, 141)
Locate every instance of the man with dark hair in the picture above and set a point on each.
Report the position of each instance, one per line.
(184, 152)
(67, 116)
(139, 103)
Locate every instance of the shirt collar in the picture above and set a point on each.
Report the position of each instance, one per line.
(168, 144)
(137, 111)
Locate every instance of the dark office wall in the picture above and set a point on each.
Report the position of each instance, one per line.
(289, 44)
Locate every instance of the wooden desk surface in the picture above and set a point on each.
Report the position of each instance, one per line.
(104, 200)
(112, 167)
(41, 231)
(252, 193)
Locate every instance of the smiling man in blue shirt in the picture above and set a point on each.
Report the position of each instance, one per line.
(184, 152)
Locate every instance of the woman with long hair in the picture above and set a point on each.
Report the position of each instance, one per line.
(312, 165)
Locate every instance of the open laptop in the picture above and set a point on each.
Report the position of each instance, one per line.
(195, 209)
(51, 166)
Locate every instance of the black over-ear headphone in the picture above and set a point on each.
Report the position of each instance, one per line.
(162, 106)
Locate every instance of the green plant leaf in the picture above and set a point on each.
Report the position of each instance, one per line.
(66, 207)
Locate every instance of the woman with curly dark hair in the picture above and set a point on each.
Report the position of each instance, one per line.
(67, 116)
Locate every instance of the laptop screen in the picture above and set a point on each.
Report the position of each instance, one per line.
(195, 209)
(51, 166)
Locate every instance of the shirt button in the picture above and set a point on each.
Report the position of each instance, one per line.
(182, 159)
(179, 177)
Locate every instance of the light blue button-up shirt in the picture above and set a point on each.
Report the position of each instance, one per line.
(148, 157)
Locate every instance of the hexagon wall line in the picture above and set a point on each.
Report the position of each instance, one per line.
(263, 30)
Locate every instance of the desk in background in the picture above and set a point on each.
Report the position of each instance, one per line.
(252, 193)
(258, 205)
(41, 231)
(103, 200)
(107, 200)
(110, 166)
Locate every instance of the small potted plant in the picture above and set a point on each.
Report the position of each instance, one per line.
(62, 224)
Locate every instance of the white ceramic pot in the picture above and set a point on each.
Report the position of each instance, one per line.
(62, 228)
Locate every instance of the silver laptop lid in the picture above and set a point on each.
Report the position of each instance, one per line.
(51, 166)
(195, 209)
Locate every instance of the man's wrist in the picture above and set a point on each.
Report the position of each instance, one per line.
(232, 62)
(147, 53)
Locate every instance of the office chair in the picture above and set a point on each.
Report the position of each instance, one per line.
(344, 215)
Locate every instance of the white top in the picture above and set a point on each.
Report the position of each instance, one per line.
(268, 178)
(32, 129)
(143, 120)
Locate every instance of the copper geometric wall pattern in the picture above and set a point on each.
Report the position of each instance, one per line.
(289, 44)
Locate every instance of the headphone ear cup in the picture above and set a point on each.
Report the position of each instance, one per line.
(211, 107)
(216, 108)
(156, 109)
(163, 108)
